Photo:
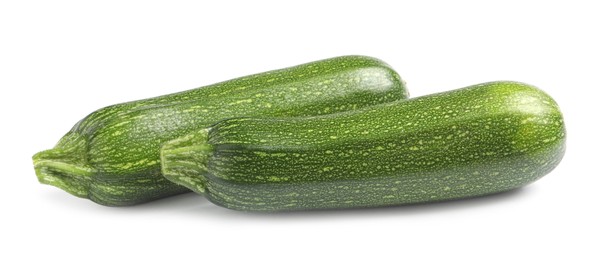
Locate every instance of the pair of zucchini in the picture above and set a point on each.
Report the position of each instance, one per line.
(363, 144)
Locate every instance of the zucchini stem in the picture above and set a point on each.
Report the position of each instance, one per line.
(65, 166)
(184, 160)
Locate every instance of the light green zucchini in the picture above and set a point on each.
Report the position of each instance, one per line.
(112, 155)
(474, 141)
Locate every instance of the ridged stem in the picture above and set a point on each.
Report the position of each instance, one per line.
(65, 166)
(184, 160)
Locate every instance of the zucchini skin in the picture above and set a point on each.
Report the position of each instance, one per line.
(112, 155)
(474, 141)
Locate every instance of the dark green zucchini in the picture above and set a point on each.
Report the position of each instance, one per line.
(474, 141)
(112, 155)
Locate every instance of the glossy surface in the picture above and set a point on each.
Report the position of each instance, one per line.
(112, 155)
(469, 142)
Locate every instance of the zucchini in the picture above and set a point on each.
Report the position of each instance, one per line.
(474, 141)
(112, 155)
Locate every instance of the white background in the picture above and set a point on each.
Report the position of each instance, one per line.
(60, 60)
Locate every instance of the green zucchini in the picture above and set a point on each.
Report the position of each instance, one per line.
(112, 155)
(474, 141)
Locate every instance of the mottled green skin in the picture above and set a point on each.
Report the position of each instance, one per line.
(469, 142)
(112, 155)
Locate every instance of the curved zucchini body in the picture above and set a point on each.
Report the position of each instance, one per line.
(474, 141)
(112, 155)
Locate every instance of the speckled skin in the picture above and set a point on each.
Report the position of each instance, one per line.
(112, 155)
(469, 142)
